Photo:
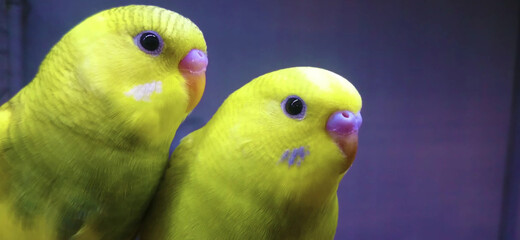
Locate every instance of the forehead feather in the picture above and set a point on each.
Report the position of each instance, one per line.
(304, 80)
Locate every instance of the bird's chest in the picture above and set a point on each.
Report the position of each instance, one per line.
(101, 202)
(114, 208)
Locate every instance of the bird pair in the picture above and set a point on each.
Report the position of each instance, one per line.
(84, 146)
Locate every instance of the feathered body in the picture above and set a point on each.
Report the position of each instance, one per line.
(80, 157)
(256, 172)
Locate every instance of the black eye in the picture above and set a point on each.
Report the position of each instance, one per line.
(149, 42)
(294, 107)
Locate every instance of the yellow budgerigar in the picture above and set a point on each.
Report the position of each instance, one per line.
(84, 144)
(266, 166)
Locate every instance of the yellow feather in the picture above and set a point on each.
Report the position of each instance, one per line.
(229, 180)
(79, 156)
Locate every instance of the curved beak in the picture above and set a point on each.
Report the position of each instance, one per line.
(343, 127)
(193, 69)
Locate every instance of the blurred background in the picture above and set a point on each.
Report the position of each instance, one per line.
(439, 152)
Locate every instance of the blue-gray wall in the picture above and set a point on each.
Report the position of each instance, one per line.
(4, 67)
(436, 79)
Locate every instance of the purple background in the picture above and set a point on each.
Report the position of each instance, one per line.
(436, 79)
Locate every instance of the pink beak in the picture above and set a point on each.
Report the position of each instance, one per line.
(193, 68)
(343, 127)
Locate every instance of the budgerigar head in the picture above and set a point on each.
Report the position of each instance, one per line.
(145, 63)
(293, 131)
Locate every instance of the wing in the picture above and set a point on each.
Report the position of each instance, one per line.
(5, 118)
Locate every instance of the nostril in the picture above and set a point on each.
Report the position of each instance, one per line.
(345, 114)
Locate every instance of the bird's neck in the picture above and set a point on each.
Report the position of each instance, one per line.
(62, 128)
(60, 151)
(261, 215)
(44, 109)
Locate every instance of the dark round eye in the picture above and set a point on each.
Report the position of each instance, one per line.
(149, 42)
(294, 107)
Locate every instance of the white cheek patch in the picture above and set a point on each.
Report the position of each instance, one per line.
(143, 92)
